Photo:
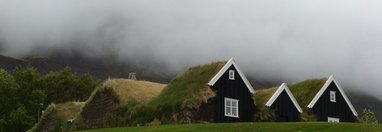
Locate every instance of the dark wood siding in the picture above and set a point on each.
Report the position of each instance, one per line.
(339, 109)
(235, 89)
(284, 109)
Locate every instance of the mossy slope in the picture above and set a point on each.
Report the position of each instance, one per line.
(103, 107)
(55, 117)
(184, 94)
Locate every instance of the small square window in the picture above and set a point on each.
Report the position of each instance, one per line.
(231, 107)
(232, 74)
(332, 96)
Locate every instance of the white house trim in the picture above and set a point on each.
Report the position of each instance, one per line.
(334, 120)
(225, 68)
(277, 94)
(323, 89)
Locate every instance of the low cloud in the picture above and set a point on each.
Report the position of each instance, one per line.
(283, 40)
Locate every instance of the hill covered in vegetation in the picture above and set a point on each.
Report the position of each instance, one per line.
(58, 117)
(181, 101)
(105, 106)
(102, 109)
(24, 93)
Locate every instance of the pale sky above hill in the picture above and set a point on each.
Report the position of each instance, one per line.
(289, 40)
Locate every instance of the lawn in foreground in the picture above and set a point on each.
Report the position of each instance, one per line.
(260, 127)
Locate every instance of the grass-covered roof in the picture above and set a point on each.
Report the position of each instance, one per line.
(55, 117)
(187, 90)
(126, 90)
(123, 90)
(189, 85)
(103, 107)
(303, 91)
(68, 110)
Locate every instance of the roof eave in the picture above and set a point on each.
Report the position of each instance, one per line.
(283, 87)
(323, 89)
(224, 69)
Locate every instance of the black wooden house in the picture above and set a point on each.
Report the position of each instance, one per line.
(332, 105)
(233, 101)
(284, 105)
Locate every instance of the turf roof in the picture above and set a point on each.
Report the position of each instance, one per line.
(55, 116)
(68, 110)
(303, 91)
(187, 90)
(188, 86)
(127, 90)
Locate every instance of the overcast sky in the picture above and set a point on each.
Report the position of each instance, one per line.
(289, 40)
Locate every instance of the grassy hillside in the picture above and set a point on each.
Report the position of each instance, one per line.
(262, 113)
(183, 95)
(8, 63)
(304, 92)
(100, 67)
(127, 90)
(257, 127)
(103, 107)
(55, 117)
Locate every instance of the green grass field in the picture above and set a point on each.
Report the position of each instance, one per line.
(257, 127)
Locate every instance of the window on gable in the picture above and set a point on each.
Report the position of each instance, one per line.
(332, 96)
(231, 74)
(231, 107)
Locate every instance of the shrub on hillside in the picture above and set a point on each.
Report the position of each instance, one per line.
(369, 117)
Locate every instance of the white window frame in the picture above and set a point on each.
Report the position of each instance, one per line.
(332, 96)
(231, 75)
(333, 120)
(231, 107)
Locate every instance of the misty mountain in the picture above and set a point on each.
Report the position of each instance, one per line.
(103, 67)
(288, 41)
(361, 101)
(9, 63)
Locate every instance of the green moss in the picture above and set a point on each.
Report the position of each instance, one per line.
(188, 89)
(263, 113)
(305, 91)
